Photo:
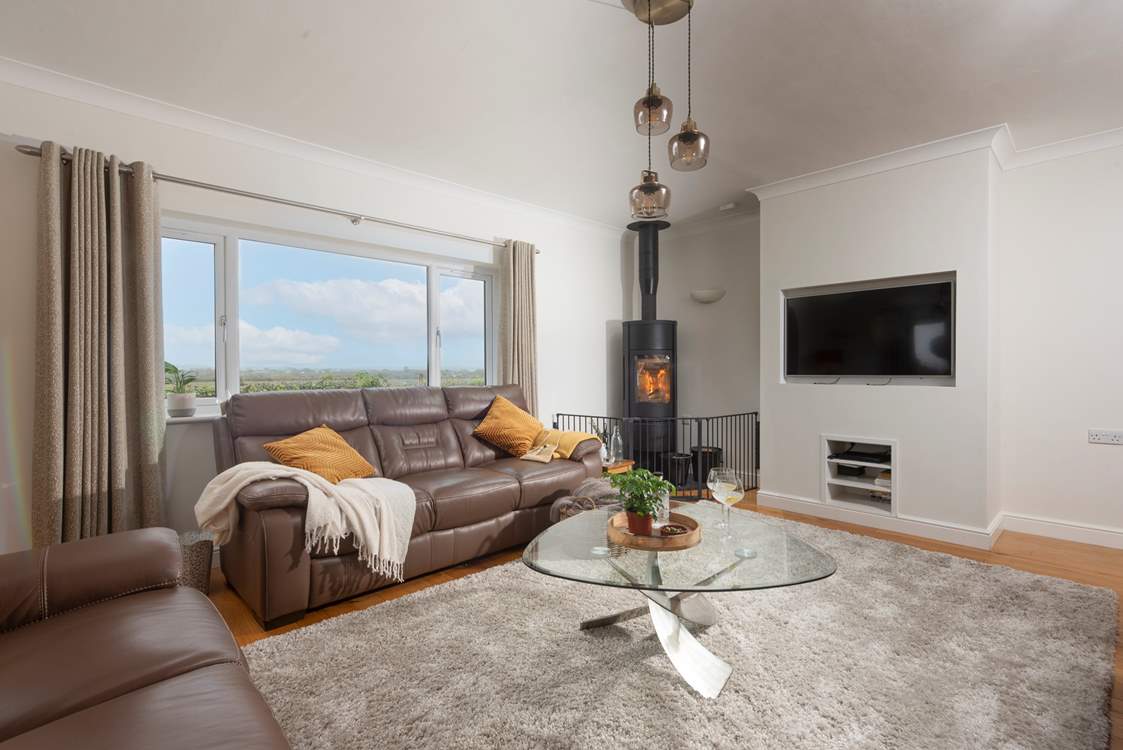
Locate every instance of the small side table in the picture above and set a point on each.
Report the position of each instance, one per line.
(619, 467)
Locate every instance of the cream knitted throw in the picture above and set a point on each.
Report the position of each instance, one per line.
(376, 512)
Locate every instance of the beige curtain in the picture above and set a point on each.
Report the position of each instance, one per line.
(518, 331)
(99, 423)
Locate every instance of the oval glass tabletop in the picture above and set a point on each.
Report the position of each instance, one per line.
(753, 554)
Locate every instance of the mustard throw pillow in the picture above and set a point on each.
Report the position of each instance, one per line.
(508, 427)
(321, 450)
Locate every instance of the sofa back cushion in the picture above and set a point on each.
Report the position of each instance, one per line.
(467, 406)
(411, 430)
(255, 419)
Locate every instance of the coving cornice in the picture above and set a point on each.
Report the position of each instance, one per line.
(997, 139)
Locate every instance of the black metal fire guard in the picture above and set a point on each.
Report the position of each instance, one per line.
(682, 449)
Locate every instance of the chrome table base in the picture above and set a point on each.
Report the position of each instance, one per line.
(688, 605)
(702, 670)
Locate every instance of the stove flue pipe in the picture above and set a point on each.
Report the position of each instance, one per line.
(648, 264)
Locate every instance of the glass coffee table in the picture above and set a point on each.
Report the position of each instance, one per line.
(751, 554)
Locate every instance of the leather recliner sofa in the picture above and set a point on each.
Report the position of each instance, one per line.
(100, 648)
(472, 498)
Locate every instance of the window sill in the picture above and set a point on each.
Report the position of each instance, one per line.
(206, 413)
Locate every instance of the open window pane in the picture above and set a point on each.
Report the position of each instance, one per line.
(187, 268)
(311, 320)
(463, 331)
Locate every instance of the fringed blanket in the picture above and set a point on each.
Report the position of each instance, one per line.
(377, 512)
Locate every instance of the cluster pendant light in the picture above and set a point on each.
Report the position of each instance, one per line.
(650, 199)
(688, 150)
(653, 110)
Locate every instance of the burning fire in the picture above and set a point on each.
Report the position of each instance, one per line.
(654, 383)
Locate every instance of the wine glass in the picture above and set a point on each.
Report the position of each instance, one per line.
(728, 488)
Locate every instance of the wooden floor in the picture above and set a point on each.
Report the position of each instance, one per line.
(1096, 566)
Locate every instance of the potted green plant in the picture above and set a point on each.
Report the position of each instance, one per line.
(181, 395)
(640, 494)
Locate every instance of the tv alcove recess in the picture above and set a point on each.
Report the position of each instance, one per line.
(895, 331)
(851, 469)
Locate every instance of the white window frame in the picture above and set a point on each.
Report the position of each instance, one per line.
(218, 242)
(225, 238)
(490, 320)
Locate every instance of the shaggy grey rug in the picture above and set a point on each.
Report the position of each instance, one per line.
(901, 648)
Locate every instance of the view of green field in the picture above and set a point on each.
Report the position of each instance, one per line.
(315, 379)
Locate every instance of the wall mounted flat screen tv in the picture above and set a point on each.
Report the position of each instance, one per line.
(892, 332)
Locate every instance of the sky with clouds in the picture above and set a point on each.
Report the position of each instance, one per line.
(310, 309)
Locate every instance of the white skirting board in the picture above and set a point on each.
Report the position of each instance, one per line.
(1104, 536)
(978, 537)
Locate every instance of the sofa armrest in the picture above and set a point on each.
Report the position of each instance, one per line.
(273, 493)
(41, 583)
(584, 448)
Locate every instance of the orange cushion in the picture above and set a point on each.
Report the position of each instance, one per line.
(508, 427)
(321, 450)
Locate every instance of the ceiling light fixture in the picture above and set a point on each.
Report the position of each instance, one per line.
(689, 149)
(650, 199)
(652, 113)
(661, 12)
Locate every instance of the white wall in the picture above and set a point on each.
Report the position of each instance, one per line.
(719, 343)
(578, 270)
(1061, 297)
(924, 218)
(1035, 239)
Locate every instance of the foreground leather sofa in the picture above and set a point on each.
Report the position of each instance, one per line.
(472, 498)
(100, 648)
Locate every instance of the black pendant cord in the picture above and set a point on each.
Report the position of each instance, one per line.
(650, 79)
(689, 34)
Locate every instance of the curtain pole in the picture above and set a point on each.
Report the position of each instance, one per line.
(352, 216)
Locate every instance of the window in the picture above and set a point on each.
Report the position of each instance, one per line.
(312, 319)
(189, 273)
(251, 312)
(463, 331)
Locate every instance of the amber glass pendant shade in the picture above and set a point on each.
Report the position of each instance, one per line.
(656, 108)
(650, 199)
(689, 149)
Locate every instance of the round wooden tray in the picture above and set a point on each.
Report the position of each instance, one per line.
(618, 534)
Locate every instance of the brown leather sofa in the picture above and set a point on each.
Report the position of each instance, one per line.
(472, 498)
(100, 648)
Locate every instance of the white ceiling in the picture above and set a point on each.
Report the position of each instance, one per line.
(532, 99)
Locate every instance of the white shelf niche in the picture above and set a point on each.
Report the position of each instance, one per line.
(859, 492)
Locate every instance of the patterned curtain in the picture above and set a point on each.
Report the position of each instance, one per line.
(99, 422)
(518, 330)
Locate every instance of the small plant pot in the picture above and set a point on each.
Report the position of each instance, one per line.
(639, 525)
(181, 404)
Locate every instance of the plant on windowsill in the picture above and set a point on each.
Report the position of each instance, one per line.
(641, 495)
(181, 393)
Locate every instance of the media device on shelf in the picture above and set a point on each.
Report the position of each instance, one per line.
(899, 331)
(873, 457)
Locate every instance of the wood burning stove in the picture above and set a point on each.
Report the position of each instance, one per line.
(650, 380)
(650, 376)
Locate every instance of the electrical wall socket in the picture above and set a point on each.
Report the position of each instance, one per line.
(1105, 437)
